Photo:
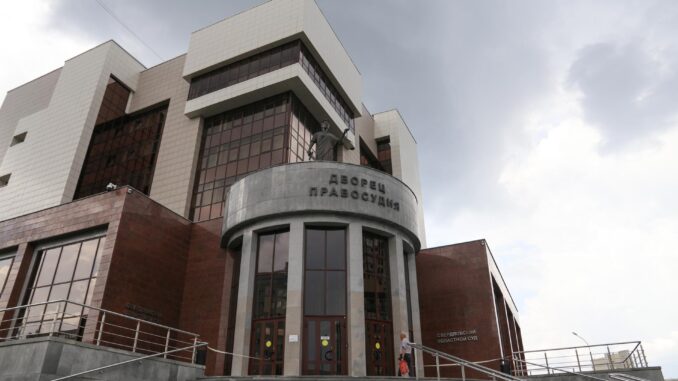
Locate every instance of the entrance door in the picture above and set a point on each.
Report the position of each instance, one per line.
(379, 348)
(268, 347)
(326, 345)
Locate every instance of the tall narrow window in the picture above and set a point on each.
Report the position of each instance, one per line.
(65, 272)
(378, 321)
(325, 342)
(6, 261)
(270, 302)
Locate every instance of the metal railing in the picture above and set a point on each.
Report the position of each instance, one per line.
(64, 318)
(586, 358)
(462, 364)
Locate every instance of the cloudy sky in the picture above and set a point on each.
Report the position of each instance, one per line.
(550, 128)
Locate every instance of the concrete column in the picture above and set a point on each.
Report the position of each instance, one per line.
(356, 302)
(416, 319)
(294, 313)
(243, 317)
(398, 292)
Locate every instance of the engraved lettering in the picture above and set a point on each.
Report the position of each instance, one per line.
(381, 201)
(344, 193)
(313, 192)
(382, 188)
(373, 185)
(363, 183)
(354, 181)
(396, 206)
(365, 196)
(323, 191)
(333, 193)
(355, 195)
(373, 198)
(334, 180)
(389, 203)
(344, 179)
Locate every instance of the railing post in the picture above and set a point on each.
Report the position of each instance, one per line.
(437, 367)
(463, 373)
(195, 343)
(593, 365)
(136, 336)
(578, 363)
(101, 327)
(56, 315)
(166, 343)
(642, 352)
(609, 358)
(546, 358)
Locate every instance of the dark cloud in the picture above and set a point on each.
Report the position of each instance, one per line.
(164, 25)
(627, 91)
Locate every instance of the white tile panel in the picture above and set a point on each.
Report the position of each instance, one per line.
(46, 167)
(404, 157)
(173, 178)
(292, 77)
(21, 102)
(268, 24)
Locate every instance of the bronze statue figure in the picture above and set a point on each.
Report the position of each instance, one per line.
(325, 143)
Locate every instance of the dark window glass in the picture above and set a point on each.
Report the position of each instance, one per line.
(114, 103)
(244, 140)
(376, 277)
(315, 249)
(325, 272)
(66, 272)
(336, 293)
(270, 289)
(314, 293)
(270, 303)
(123, 151)
(336, 250)
(69, 256)
(5, 267)
(267, 61)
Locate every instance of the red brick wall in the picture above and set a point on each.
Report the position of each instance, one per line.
(455, 294)
(146, 274)
(206, 298)
(20, 233)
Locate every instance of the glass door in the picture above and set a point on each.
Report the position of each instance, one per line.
(325, 341)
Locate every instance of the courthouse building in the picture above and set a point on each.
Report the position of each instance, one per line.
(184, 195)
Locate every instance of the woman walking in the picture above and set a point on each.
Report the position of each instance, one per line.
(405, 355)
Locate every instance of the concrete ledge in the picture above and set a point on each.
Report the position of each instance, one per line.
(47, 358)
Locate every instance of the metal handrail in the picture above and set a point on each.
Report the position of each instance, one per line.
(167, 342)
(463, 364)
(562, 370)
(577, 347)
(102, 368)
(582, 357)
(98, 309)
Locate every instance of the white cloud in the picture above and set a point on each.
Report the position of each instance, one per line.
(587, 240)
(32, 48)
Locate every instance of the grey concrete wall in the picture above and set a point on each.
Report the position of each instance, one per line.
(48, 358)
(322, 187)
(651, 374)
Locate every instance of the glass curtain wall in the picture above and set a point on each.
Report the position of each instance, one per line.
(270, 132)
(270, 302)
(379, 333)
(66, 272)
(325, 339)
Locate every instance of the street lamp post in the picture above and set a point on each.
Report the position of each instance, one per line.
(593, 366)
